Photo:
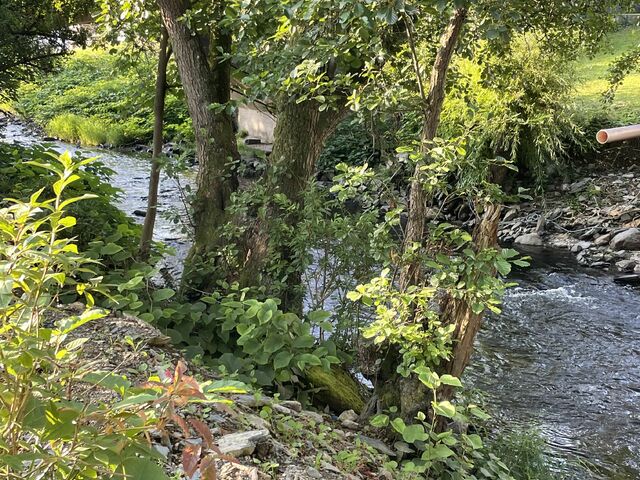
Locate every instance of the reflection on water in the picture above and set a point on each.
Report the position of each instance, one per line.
(564, 356)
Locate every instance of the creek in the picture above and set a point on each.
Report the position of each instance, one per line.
(563, 356)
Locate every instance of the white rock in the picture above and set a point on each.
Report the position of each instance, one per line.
(242, 443)
(529, 239)
(348, 415)
(626, 240)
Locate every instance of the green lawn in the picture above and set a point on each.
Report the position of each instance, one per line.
(592, 72)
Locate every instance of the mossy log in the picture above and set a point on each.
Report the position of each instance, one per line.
(336, 388)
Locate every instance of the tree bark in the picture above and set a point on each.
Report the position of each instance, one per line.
(158, 124)
(432, 106)
(206, 79)
(299, 136)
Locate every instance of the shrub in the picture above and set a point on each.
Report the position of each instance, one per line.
(113, 99)
(48, 430)
(64, 127)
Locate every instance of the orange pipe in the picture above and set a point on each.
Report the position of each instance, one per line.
(609, 135)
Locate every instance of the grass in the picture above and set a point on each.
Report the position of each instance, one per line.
(591, 75)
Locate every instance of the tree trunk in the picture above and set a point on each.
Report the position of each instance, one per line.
(392, 389)
(158, 124)
(206, 79)
(432, 105)
(299, 136)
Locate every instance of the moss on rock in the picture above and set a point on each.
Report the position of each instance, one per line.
(337, 389)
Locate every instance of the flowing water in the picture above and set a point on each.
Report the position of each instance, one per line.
(564, 355)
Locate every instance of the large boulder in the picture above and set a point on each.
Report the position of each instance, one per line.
(529, 239)
(626, 240)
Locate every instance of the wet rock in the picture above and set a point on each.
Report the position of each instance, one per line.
(140, 213)
(379, 445)
(626, 240)
(626, 265)
(242, 443)
(510, 215)
(529, 239)
(580, 246)
(162, 450)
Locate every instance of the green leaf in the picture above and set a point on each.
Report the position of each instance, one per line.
(444, 408)
(273, 343)
(318, 316)
(413, 433)
(437, 452)
(163, 294)
(304, 341)
(110, 249)
(380, 421)
(450, 380)
(398, 425)
(474, 440)
(282, 360)
(141, 469)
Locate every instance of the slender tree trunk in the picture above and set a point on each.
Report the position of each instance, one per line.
(206, 79)
(158, 124)
(432, 105)
(299, 136)
(393, 389)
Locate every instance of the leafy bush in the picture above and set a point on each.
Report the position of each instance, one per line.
(46, 429)
(96, 98)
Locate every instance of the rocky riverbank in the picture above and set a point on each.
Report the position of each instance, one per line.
(597, 217)
(255, 436)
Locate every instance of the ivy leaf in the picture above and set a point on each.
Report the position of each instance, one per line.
(450, 380)
(413, 433)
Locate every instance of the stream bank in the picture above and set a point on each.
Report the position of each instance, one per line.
(564, 354)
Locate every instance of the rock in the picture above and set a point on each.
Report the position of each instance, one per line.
(282, 409)
(529, 239)
(298, 472)
(626, 240)
(162, 450)
(510, 215)
(337, 388)
(313, 416)
(350, 424)
(637, 269)
(140, 213)
(579, 186)
(626, 265)
(348, 415)
(292, 404)
(580, 246)
(256, 422)
(602, 240)
(379, 445)
(252, 401)
(237, 471)
(330, 468)
(242, 443)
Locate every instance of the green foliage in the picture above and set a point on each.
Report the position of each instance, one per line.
(442, 453)
(98, 98)
(525, 453)
(44, 432)
(33, 34)
(98, 218)
(250, 338)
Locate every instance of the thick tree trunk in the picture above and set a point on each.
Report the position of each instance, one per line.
(299, 136)
(206, 79)
(158, 124)
(416, 221)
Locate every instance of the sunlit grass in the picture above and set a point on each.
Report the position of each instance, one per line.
(591, 75)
